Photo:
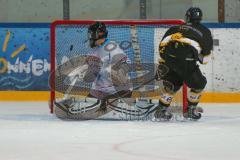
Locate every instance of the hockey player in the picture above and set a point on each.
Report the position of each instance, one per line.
(112, 79)
(180, 49)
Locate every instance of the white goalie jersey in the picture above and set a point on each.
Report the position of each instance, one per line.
(110, 55)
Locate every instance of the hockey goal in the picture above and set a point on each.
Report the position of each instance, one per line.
(138, 39)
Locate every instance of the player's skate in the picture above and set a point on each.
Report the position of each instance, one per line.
(194, 113)
(162, 113)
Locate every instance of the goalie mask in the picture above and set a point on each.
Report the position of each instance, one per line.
(96, 31)
(193, 15)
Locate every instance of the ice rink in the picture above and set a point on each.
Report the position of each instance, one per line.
(29, 132)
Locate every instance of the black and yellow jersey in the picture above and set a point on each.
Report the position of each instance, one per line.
(191, 40)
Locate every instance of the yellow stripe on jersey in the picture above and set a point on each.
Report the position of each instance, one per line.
(176, 36)
(180, 38)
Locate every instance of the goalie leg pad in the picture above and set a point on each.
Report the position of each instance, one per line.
(84, 109)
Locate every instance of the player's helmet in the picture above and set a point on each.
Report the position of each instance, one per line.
(96, 31)
(193, 15)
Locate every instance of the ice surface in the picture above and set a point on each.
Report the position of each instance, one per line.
(29, 132)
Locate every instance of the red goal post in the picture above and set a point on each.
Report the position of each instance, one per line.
(65, 34)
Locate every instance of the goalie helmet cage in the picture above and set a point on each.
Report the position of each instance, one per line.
(69, 38)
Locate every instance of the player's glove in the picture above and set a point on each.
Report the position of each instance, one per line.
(204, 59)
(161, 71)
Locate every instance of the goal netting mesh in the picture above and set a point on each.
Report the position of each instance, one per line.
(138, 39)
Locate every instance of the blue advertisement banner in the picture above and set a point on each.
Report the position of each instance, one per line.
(24, 58)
